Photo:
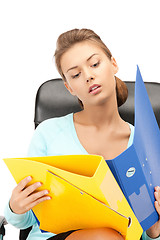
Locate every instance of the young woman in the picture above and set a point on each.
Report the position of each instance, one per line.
(88, 70)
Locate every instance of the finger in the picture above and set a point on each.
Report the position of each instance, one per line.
(157, 188)
(157, 195)
(39, 200)
(157, 206)
(22, 184)
(30, 189)
(33, 197)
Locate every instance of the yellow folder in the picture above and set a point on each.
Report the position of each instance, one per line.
(84, 194)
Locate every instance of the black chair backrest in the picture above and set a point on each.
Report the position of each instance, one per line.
(54, 100)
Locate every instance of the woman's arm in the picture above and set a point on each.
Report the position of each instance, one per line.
(21, 221)
(17, 211)
(23, 199)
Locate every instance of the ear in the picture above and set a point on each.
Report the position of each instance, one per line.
(115, 65)
(69, 88)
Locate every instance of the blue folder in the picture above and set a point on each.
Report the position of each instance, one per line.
(137, 169)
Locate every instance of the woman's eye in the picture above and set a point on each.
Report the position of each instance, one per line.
(76, 75)
(96, 64)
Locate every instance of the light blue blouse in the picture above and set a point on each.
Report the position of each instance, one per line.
(56, 136)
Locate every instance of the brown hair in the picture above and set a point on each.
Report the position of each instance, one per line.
(67, 39)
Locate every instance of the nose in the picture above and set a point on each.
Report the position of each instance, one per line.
(89, 76)
(89, 79)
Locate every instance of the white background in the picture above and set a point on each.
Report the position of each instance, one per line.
(28, 34)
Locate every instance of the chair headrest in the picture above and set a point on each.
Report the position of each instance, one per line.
(54, 100)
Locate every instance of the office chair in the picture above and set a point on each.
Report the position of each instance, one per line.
(53, 100)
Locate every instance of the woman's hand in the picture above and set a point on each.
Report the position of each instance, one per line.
(154, 231)
(25, 198)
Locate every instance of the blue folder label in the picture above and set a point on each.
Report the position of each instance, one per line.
(131, 171)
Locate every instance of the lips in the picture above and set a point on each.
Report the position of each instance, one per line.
(93, 87)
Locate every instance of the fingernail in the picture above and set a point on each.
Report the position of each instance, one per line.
(156, 195)
(39, 184)
(29, 178)
(46, 192)
(48, 198)
(157, 188)
(156, 203)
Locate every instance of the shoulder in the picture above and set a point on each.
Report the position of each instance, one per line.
(48, 133)
(55, 124)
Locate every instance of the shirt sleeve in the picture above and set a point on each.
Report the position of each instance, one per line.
(146, 237)
(21, 221)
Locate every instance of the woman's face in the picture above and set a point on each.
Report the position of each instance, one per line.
(89, 73)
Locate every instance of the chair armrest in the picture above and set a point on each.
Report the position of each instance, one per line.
(2, 223)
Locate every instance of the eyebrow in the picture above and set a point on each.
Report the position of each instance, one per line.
(87, 61)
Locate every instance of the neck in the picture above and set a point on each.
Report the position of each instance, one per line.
(103, 115)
